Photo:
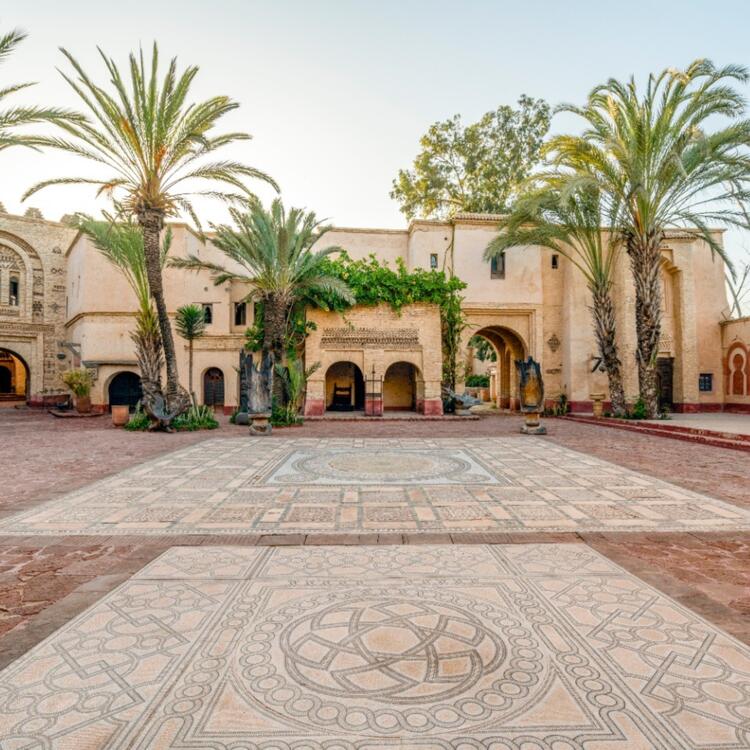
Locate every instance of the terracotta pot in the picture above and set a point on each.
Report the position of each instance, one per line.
(83, 404)
(484, 394)
(120, 415)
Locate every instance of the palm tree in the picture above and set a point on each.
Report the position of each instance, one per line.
(658, 163)
(569, 222)
(122, 245)
(15, 117)
(152, 142)
(275, 249)
(190, 323)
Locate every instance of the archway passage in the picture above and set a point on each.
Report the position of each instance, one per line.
(125, 389)
(14, 377)
(213, 387)
(400, 387)
(508, 347)
(345, 387)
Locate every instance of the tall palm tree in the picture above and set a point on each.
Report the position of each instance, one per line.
(15, 117)
(122, 245)
(671, 156)
(190, 323)
(569, 222)
(152, 142)
(275, 249)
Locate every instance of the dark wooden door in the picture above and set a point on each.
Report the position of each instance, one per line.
(213, 387)
(125, 390)
(664, 379)
(6, 380)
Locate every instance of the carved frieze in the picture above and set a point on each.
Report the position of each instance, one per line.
(369, 337)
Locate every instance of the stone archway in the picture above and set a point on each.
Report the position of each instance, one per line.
(401, 385)
(345, 387)
(509, 347)
(14, 376)
(125, 389)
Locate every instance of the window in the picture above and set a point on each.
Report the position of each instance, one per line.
(497, 267)
(706, 382)
(240, 314)
(15, 289)
(208, 314)
(555, 262)
(433, 260)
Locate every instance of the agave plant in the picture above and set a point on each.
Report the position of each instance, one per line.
(155, 146)
(674, 155)
(569, 222)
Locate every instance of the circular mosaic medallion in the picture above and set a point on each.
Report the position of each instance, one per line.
(388, 660)
(392, 650)
(381, 465)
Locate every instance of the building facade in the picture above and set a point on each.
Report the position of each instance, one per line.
(62, 304)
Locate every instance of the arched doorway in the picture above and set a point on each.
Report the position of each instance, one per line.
(213, 387)
(14, 377)
(125, 389)
(345, 387)
(400, 387)
(508, 347)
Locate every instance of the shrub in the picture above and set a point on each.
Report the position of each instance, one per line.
(79, 381)
(196, 418)
(639, 410)
(478, 381)
(138, 421)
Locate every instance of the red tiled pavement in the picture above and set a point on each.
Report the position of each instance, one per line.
(45, 581)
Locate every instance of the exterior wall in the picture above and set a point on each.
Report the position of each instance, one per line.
(374, 338)
(736, 364)
(33, 252)
(75, 308)
(102, 308)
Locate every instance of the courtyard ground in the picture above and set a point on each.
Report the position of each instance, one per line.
(47, 579)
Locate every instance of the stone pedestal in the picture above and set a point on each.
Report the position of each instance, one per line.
(532, 424)
(260, 424)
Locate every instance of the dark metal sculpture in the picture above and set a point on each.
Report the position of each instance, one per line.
(531, 394)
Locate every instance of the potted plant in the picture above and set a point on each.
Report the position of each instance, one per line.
(79, 381)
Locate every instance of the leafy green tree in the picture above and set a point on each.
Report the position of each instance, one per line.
(483, 349)
(567, 219)
(15, 117)
(122, 245)
(674, 155)
(475, 168)
(154, 144)
(190, 323)
(281, 268)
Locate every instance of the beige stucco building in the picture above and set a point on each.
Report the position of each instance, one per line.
(62, 304)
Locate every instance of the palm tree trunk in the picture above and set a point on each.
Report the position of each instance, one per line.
(151, 223)
(273, 340)
(190, 371)
(605, 329)
(645, 264)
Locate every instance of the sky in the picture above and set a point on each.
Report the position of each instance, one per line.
(337, 93)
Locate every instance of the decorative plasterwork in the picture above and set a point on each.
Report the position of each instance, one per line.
(369, 337)
(553, 342)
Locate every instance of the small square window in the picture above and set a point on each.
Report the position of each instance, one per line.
(555, 261)
(433, 260)
(497, 267)
(208, 314)
(706, 382)
(240, 314)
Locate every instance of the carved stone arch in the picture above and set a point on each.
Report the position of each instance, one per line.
(32, 282)
(737, 369)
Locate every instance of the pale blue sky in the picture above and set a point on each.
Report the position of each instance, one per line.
(337, 94)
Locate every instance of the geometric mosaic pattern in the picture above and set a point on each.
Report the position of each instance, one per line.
(279, 485)
(516, 646)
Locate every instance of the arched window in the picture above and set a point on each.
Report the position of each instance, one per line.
(208, 314)
(14, 293)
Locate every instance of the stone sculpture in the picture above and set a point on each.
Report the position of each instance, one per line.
(259, 398)
(531, 393)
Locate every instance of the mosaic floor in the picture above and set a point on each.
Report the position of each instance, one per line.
(520, 646)
(273, 486)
